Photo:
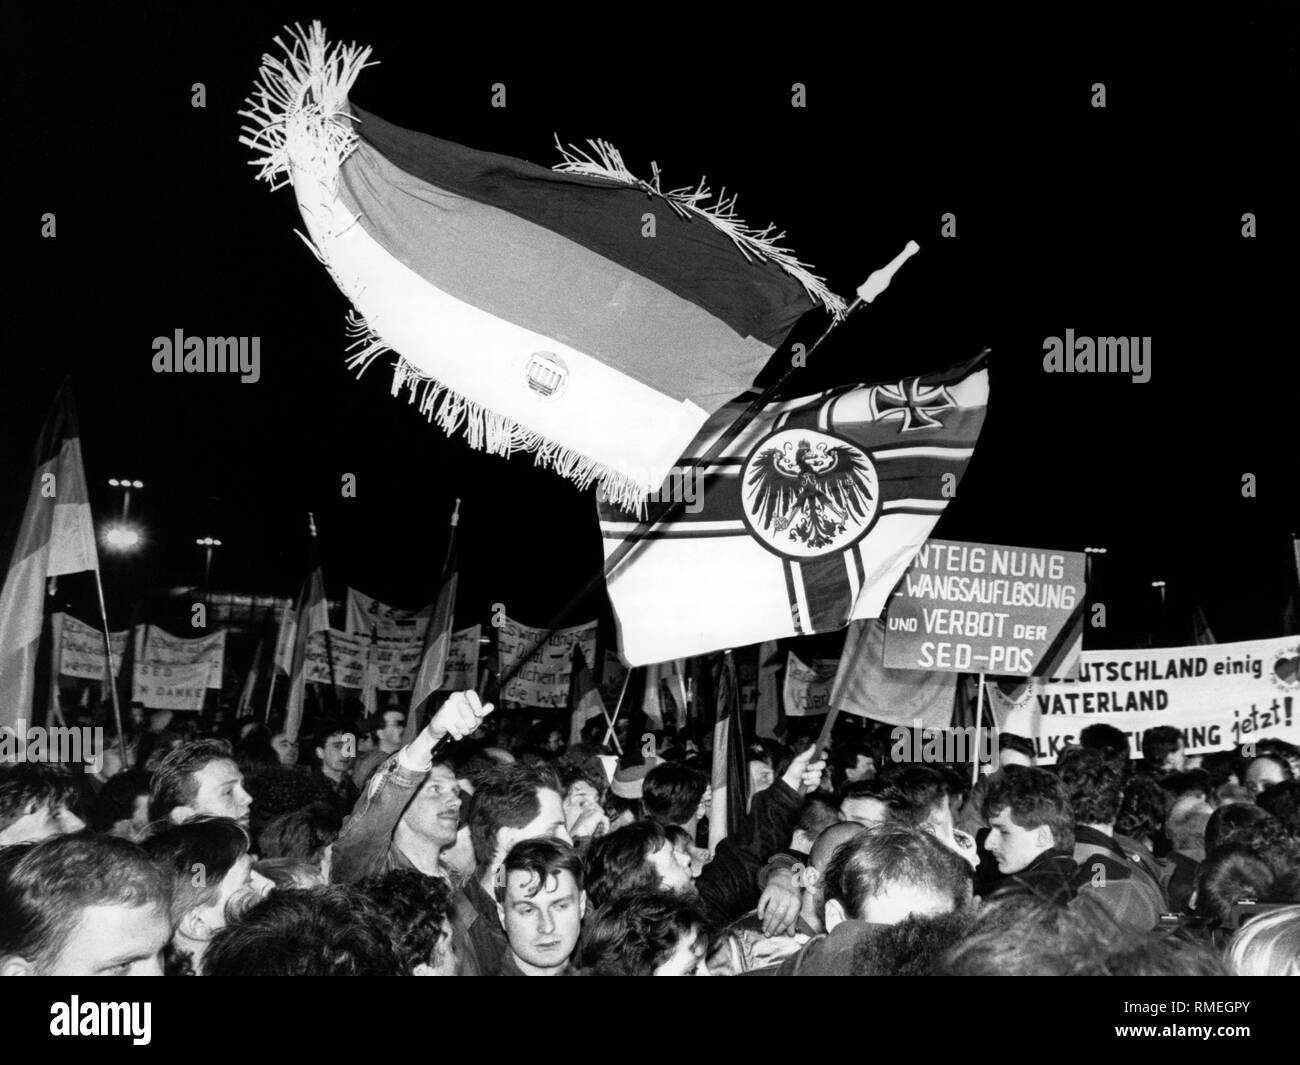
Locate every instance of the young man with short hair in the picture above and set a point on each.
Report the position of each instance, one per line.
(336, 753)
(199, 779)
(79, 905)
(387, 728)
(541, 904)
(1031, 834)
(646, 933)
(1163, 750)
(35, 803)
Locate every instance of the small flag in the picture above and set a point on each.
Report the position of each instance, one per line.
(56, 536)
(767, 717)
(245, 707)
(730, 777)
(437, 637)
(807, 519)
(584, 697)
(311, 614)
(864, 687)
(580, 312)
(664, 677)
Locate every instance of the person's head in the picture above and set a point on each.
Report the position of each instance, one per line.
(812, 877)
(672, 793)
(1160, 954)
(305, 835)
(584, 786)
(541, 904)
(1164, 750)
(762, 769)
(388, 729)
(1185, 829)
(1141, 810)
(325, 931)
(199, 779)
(434, 812)
(1107, 738)
(36, 800)
(419, 909)
(1283, 802)
(1280, 748)
(78, 905)
(646, 933)
(886, 874)
(122, 806)
(1230, 875)
(1014, 750)
(866, 802)
(1231, 823)
(1094, 783)
(919, 796)
(289, 873)
(636, 857)
(1029, 814)
(1024, 935)
(1267, 945)
(1265, 770)
(852, 762)
(817, 815)
(513, 803)
(336, 747)
(207, 861)
(285, 748)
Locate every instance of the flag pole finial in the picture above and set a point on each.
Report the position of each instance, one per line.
(879, 280)
(311, 524)
(455, 514)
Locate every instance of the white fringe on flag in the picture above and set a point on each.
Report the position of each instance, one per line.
(760, 244)
(299, 122)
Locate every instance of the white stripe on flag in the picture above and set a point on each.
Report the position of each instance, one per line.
(800, 596)
(935, 505)
(881, 454)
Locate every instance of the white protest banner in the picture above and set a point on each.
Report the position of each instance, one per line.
(983, 608)
(1218, 696)
(153, 646)
(171, 686)
(81, 648)
(462, 660)
(808, 688)
(365, 613)
(347, 652)
(544, 680)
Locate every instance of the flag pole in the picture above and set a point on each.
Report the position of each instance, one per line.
(609, 732)
(867, 293)
(979, 724)
(108, 665)
(413, 713)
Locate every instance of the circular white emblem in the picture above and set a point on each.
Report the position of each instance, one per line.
(806, 493)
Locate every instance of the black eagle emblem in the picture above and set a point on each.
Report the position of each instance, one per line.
(811, 490)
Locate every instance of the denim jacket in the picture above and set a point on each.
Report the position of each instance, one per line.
(365, 846)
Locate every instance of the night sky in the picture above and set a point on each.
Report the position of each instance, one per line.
(1122, 221)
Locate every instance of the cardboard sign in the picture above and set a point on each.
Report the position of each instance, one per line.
(981, 608)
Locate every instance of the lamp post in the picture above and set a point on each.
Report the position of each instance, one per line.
(207, 543)
(126, 486)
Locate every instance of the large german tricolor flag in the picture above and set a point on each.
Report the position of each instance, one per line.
(56, 536)
(579, 313)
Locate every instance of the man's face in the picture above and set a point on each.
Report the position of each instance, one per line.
(42, 822)
(394, 728)
(863, 769)
(674, 869)
(221, 792)
(114, 940)
(581, 798)
(434, 812)
(865, 811)
(339, 753)
(548, 822)
(542, 921)
(1261, 773)
(1015, 847)
(285, 749)
(687, 959)
(1178, 760)
(761, 777)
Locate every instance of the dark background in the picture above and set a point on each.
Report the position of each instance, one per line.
(1122, 221)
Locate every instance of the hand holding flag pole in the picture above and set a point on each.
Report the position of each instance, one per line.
(867, 292)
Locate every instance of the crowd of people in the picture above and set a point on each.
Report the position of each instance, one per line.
(502, 853)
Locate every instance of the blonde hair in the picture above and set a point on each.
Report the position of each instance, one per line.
(1268, 945)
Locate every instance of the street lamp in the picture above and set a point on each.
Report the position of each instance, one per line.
(122, 538)
(209, 543)
(126, 485)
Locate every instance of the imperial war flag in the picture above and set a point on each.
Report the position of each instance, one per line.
(806, 520)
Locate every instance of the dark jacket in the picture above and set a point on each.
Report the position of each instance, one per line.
(476, 932)
(1049, 876)
(728, 886)
(1109, 876)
